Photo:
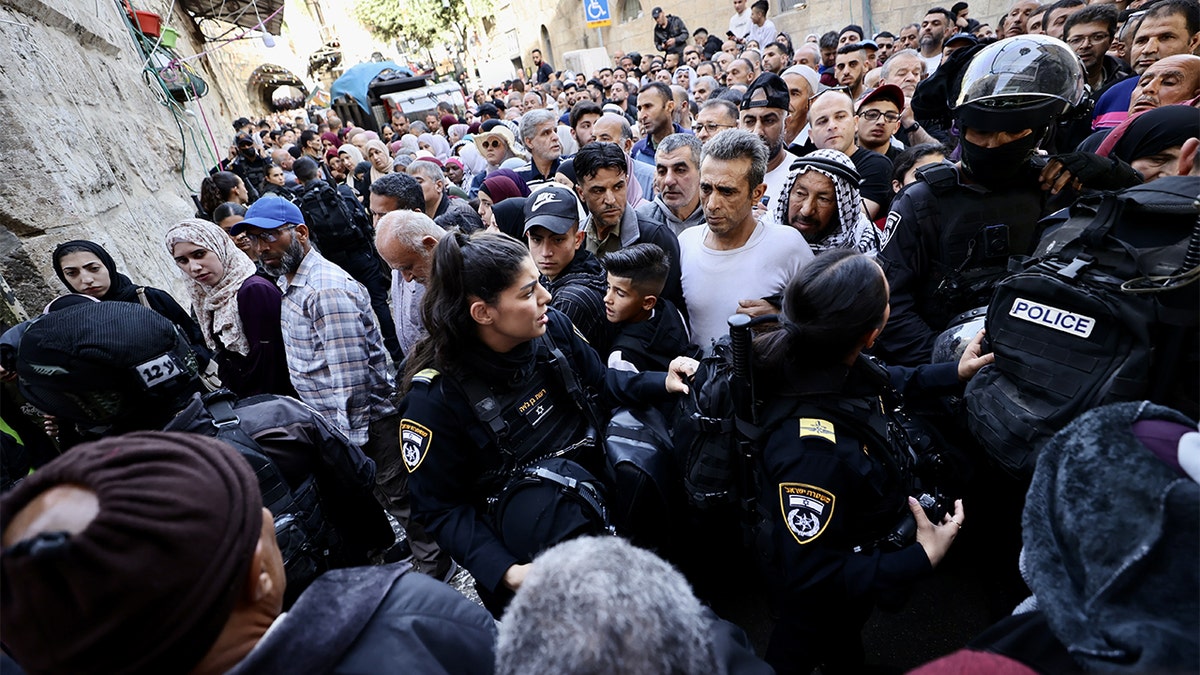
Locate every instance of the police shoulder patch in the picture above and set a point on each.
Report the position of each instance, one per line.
(806, 510)
(415, 440)
(813, 426)
(426, 376)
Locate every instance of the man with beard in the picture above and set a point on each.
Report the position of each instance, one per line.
(850, 68)
(1168, 28)
(656, 107)
(909, 37)
(763, 111)
(933, 34)
(539, 134)
(249, 165)
(776, 57)
(822, 202)
(832, 127)
(335, 351)
(887, 44)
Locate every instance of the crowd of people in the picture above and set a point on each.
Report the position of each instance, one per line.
(431, 323)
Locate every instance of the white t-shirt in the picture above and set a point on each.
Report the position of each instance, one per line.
(774, 179)
(739, 24)
(764, 34)
(714, 281)
(932, 63)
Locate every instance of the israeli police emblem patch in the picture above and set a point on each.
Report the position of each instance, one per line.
(806, 510)
(414, 443)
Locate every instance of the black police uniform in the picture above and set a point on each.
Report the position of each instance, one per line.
(950, 244)
(458, 467)
(827, 489)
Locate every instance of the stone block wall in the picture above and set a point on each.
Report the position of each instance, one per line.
(90, 150)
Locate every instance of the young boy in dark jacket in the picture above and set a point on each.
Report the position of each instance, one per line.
(650, 331)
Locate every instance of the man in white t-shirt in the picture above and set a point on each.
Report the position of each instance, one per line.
(733, 263)
(739, 23)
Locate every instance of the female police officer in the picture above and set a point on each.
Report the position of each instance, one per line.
(834, 484)
(502, 384)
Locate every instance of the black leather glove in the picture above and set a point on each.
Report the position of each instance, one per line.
(1098, 173)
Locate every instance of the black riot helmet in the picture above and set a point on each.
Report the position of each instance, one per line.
(1024, 82)
(116, 366)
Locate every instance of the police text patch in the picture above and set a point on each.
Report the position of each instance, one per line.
(806, 510)
(812, 426)
(1052, 317)
(415, 440)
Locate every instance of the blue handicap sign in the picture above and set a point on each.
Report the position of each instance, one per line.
(596, 10)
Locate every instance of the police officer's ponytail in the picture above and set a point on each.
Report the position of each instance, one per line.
(465, 268)
(828, 307)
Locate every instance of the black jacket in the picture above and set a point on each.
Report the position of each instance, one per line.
(368, 620)
(448, 450)
(673, 29)
(578, 292)
(653, 343)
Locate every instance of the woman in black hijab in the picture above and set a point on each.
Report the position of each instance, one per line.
(1150, 142)
(85, 267)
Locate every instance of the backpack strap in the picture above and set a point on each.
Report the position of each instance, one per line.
(277, 495)
(141, 293)
(559, 362)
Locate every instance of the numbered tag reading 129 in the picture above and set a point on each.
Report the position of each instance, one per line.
(158, 370)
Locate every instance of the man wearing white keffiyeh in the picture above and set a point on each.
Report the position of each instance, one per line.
(821, 200)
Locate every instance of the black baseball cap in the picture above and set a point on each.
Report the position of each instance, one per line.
(767, 91)
(655, 12)
(554, 208)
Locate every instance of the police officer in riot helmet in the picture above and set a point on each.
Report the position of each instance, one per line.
(840, 469)
(956, 227)
(499, 422)
(114, 367)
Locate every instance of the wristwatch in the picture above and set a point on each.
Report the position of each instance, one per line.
(911, 128)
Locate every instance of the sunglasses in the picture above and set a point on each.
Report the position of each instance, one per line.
(488, 145)
(268, 237)
(840, 87)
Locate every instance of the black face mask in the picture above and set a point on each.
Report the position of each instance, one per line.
(998, 167)
(249, 152)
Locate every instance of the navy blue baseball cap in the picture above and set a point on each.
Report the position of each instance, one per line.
(269, 213)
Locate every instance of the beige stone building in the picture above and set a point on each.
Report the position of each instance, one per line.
(557, 27)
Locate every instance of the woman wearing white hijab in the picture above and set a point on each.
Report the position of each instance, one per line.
(238, 311)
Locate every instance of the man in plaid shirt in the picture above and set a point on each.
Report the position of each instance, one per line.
(336, 358)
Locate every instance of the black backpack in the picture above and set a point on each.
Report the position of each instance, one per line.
(336, 221)
(306, 540)
(715, 439)
(1097, 316)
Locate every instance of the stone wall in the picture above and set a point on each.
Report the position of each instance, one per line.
(90, 151)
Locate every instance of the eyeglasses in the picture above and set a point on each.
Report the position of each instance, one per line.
(873, 115)
(713, 128)
(1093, 39)
(268, 237)
(840, 87)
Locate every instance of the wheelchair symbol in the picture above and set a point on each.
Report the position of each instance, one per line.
(596, 11)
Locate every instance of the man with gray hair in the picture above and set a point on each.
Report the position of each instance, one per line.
(732, 262)
(539, 134)
(906, 69)
(429, 176)
(703, 88)
(677, 184)
(602, 605)
(405, 240)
